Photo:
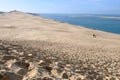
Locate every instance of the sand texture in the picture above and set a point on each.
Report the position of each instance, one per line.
(37, 48)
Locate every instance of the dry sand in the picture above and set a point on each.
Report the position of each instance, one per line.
(71, 43)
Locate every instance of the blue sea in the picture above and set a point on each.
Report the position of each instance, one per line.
(108, 23)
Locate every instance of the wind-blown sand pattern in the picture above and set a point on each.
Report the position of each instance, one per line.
(36, 48)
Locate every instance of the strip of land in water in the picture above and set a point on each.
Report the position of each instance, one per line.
(110, 17)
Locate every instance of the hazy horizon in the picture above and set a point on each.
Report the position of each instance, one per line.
(62, 6)
(67, 13)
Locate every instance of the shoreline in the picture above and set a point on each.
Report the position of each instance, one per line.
(81, 26)
(88, 27)
(78, 24)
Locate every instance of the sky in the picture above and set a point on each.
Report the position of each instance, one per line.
(62, 6)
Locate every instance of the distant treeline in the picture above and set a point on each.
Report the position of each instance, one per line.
(1, 12)
(34, 14)
(28, 13)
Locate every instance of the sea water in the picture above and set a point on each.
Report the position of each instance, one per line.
(108, 23)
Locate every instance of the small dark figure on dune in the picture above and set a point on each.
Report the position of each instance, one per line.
(94, 36)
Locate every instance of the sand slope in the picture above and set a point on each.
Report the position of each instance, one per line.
(74, 44)
(20, 26)
(17, 25)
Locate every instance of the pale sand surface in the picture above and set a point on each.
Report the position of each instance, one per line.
(20, 26)
(63, 40)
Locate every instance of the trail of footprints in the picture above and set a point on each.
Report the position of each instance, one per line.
(19, 63)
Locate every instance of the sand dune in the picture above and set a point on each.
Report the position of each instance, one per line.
(20, 26)
(23, 26)
(63, 40)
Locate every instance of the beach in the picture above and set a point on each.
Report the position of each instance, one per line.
(68, 51)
